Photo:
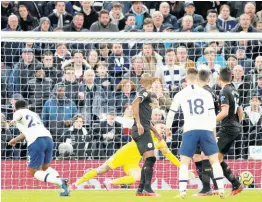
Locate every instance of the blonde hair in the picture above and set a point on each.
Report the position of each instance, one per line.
(124, 82)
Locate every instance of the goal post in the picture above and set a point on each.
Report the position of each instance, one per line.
(94, 148)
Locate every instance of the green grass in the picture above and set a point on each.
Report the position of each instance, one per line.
(119, 196)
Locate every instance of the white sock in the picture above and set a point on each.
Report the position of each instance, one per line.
(183, 177)
(218, 175)
(47, 177)
(52, 171)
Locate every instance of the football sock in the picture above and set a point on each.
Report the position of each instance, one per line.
(124, 180)
(148, 169)
(47, 177)
(173, 159)
(214, 181)
(142, 180)
(199, 169)
(206, 175)
(229, 175)
(89, 175)
(218, 175)
(183, 177)
(52, 171)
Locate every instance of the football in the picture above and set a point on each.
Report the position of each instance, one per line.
(246, 178)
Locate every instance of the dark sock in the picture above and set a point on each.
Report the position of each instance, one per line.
(229, 175)
(199, 169)
(142, 180)
(206, 175)
(148, 169)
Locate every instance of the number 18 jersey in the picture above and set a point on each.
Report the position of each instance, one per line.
(198, 108)
(30, 125)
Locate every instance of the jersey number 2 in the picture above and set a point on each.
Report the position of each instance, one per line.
(31, 121)
(196, 106)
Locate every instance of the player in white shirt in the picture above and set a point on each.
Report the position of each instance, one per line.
(40, 145)
(199, 128)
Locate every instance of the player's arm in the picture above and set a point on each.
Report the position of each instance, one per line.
(240, 113)
(17, 139)
(135, 106)
(224, 107)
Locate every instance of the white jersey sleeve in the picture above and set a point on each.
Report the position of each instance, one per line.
(173, 109)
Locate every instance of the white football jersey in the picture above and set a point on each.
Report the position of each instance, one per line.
(29, 123)
(198, 108)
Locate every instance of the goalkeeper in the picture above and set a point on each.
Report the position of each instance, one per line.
(128, 157)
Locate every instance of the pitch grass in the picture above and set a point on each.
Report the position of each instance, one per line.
(119, 196)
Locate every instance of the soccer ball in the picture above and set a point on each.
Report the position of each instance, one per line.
(65, 149)
(246, 178)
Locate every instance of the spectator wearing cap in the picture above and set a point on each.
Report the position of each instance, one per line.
(7, 9)
(38, 90)
(140, 11)
(244, 24)
(254, 72)
(58, 112)
(60, 18)
(158, 19)
(103, 24)
(252, 130)
(242, 59)
(109, 135)
(250, 9)
(231, 61)
(93, 101)
(26, 21)
(226, 21)
(118, 63)
(211, 23)
(79, 138)
(76, 24)
(164, 8)
(90, 15)
(22, 72)
(116, 15)
(70, 83)
(190, 10)
(44, 25)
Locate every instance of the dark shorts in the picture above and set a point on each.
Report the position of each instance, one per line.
(40, 152)
(226, 138)
(144, 142)
(192, 138)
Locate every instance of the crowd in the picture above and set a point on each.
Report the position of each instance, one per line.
(84, 92)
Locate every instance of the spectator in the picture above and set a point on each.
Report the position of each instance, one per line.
(103, 79)
(148, 25)
(35, 8)
(12, 24)
(90, 15)
(103, 24)
(211, 23)
(168, 18)
(158, 19)
(259, 25)
(226, 21)
(245, 62)
(140, 11)
(125, 94)
(186, 24)
(250, 9)
(231, 61)
(76, 25)
(6, 136)
(202, 7)
(44, 25)
(26, 21)
(5, 73)
(162, 96)
(116, 15)
(109, 133)
(176, 8)
(79, 138)
(104, 52)
(58, 112)
(60, 18)
(7, 9)
(152, 59)
(52, 71)
(38, 90)
(183, 59)
(219, 59)
(254, 72)
(70, 84)
(93, 100)
(61, 53)
(240, 84)
(22, 72)
(156, 116)
(257, 90)
(118, 62)
(136, 70)
(190, 11)
(130, 22)
(171, 74)
(93, 59)
(51, 8)
(126, 5)
(244, 24)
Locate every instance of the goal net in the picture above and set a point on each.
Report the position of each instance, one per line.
(82, 86)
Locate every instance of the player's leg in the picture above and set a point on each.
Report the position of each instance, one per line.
(224, 143)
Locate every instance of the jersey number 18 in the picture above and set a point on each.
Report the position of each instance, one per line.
(196, 106)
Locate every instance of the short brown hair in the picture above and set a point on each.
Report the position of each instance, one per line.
(148, 21)
(103, 11)
(59, 1)
(47, 53)
(77, 116)
(192, 71)
(124, 82)
(116, 4)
